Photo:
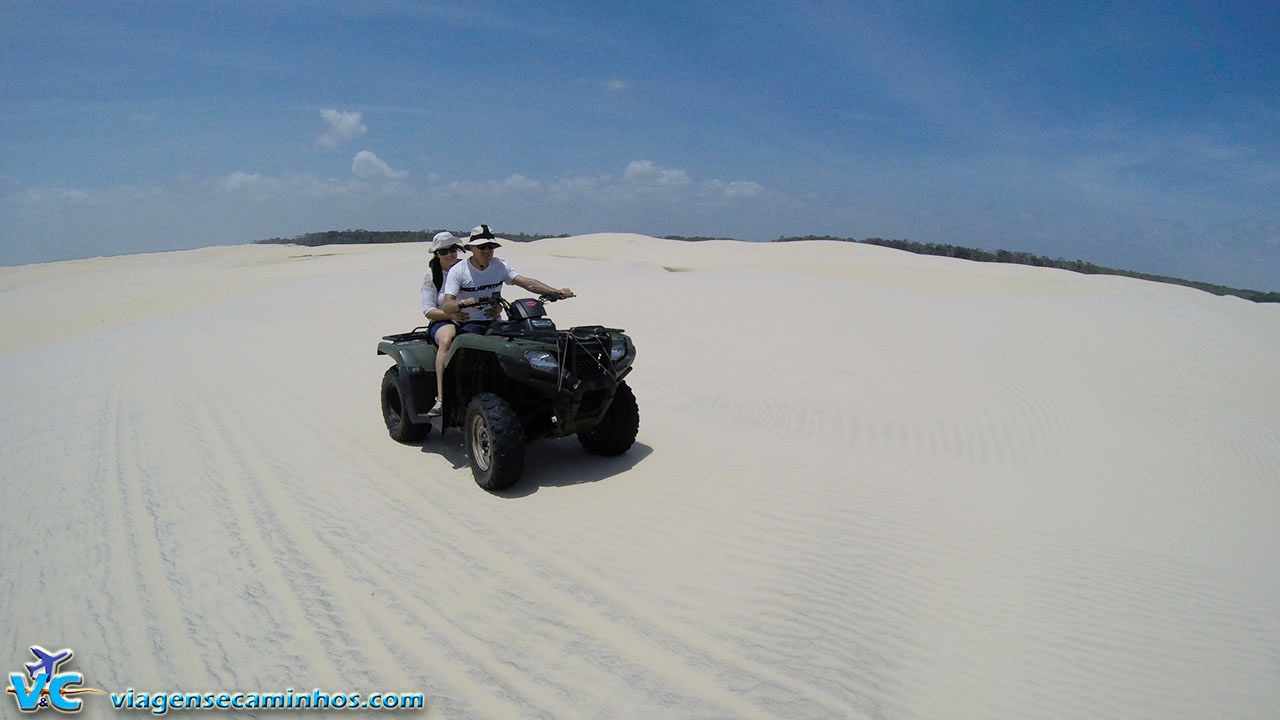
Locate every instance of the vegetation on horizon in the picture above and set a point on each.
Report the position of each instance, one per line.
(1024, 258)
(696, 238)
(363, 237)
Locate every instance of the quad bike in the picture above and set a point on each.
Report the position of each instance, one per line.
(519, 381)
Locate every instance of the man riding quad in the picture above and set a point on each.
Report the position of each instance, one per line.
(512, 380)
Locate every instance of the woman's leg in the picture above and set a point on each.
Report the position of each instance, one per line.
(444, 338)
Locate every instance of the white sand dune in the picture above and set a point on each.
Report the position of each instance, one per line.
(867, 485)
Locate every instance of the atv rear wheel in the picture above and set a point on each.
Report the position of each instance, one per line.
(402, 429)
(495, 442)
(616, 431)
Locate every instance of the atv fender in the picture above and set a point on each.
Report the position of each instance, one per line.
(418, 390)
(417, 378)
(409, 355)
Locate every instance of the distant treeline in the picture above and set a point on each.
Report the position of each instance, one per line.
(1023, 258)
(695, 238)
(361, 237)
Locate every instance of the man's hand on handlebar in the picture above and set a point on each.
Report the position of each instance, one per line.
(492, 305)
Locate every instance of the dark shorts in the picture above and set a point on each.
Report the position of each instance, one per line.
(434, 327)
(475, 326)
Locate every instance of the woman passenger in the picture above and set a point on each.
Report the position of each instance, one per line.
(444, 255)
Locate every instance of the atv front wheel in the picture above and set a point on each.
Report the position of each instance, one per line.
(402, 429)
(495, 442)
(616, 431)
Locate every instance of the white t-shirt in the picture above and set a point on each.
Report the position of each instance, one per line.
(466, 281)
(432, 298)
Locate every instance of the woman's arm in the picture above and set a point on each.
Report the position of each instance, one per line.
(430, 308)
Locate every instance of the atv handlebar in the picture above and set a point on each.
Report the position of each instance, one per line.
(491, 300)
(484, 302)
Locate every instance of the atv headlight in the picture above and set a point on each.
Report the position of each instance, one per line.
(541, 360)
(617, 347)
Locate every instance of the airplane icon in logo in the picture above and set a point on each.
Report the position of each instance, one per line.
(48, 662)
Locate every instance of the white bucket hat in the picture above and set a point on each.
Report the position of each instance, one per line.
(444, 240)
(482, 235)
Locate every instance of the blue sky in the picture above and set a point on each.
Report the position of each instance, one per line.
(1138, 135)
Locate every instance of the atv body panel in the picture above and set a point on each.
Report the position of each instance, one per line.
(559, 382)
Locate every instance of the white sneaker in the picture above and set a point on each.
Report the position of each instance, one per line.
(435, 410)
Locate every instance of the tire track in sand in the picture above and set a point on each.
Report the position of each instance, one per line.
(307, 560)
(619, 625)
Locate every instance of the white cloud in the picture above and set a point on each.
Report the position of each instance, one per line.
(342, 126)
(518, 182)
(57, 199)
(572, 188)
(491, 188)
(55, 196)
(643, 179)
(615, 85)
(240, 181)
(743, 188)
(310, 186)
(735, 189)
(644, 172)
(295, 185)
(369, 166)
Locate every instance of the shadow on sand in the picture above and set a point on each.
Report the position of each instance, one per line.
(547, 463)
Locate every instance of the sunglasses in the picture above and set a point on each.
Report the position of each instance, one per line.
(447, 251)
(486, 246)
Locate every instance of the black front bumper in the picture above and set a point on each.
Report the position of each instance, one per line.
(577, 403)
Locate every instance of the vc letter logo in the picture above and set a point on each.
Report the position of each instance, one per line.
(47, 686)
